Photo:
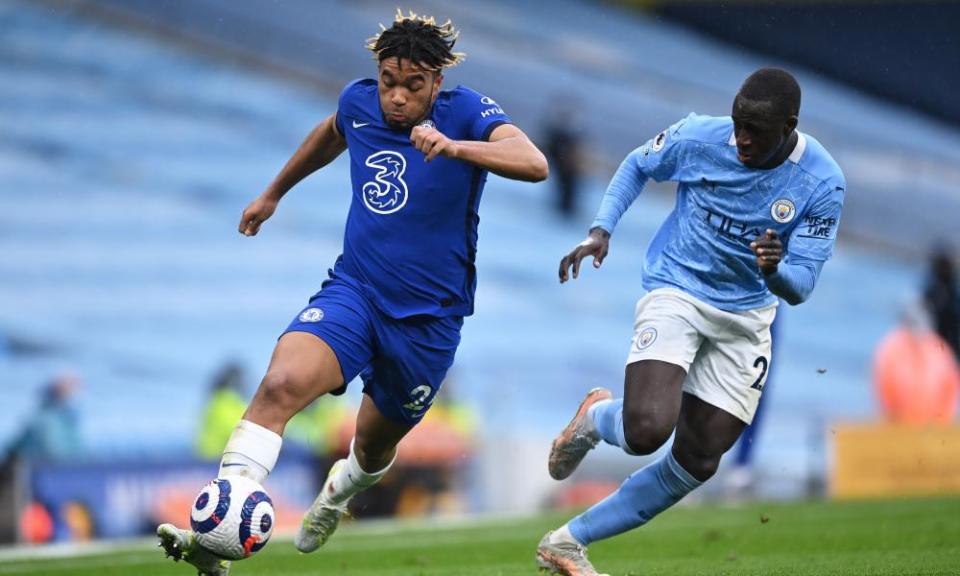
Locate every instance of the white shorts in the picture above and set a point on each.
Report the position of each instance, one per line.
(725, 354)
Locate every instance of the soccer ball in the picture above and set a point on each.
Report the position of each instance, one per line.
(232, 517)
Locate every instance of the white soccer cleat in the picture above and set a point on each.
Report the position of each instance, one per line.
(181, 545)
(578, 438)
(322, 519)
(564, 558)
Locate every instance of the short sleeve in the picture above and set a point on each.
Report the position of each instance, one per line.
(345, 104)
(481, 113)
(660, 157)
(816, 234)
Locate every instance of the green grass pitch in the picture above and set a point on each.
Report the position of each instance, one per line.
(918, 537)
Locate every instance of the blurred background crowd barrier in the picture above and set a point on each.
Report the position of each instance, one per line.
(135, 322)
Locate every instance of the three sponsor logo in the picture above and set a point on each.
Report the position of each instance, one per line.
(387, 192)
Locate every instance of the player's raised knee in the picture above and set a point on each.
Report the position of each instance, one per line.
(284, 390)
(700, 466)
(644, 435)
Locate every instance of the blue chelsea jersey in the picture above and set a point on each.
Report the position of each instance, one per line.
(723, 205)
(411, 233)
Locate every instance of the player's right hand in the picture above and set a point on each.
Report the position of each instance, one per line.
(256, 214)
(597, 245)
(432, 142)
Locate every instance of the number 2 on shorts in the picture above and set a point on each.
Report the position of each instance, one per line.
(758, 383)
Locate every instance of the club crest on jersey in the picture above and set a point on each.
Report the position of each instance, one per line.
(311, 315)
(783, 210)
(658, 141)
(646, 337)
(387, 193)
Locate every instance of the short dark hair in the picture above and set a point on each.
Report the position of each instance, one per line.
(776, 86)
(419, 39)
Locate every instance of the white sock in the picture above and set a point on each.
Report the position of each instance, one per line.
(563, 534)
(351, 479)
(252, 451)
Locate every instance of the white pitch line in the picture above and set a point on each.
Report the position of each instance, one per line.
(72, 549)
(14, 559)
(69, 565)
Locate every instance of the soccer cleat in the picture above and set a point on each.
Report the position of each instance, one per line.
(564, 558)
(578, 438)
(322, 519)
(181, 545)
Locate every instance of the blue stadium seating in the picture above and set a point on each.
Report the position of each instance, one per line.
(126, 161)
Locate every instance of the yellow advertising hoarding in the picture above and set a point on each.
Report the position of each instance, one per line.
(886, 460)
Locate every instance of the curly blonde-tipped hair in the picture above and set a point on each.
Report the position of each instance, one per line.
(419, 39)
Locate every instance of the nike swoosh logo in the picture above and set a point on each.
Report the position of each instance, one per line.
(359, 124)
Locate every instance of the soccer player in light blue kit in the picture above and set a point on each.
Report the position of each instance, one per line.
(756, 217)
(394, 302)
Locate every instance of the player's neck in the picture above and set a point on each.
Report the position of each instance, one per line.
(781, 154)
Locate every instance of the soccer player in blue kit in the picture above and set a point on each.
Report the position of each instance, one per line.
(755, 219)
(393, 305)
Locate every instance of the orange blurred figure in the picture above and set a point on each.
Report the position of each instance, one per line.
(916, 375)
(36, 524)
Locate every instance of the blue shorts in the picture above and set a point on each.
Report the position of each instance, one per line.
(402, 362)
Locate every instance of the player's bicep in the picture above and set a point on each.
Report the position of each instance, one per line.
(816, 234)
(324, 143)
(504, 131)
(332, 139)
(336, 126)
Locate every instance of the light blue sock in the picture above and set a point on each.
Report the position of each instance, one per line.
(643, 495)
(608, 421)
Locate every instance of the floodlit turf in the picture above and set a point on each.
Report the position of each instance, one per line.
(893, 538)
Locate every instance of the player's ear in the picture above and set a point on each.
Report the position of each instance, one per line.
(791, 123)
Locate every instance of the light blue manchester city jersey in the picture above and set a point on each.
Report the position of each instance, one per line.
(723, 205)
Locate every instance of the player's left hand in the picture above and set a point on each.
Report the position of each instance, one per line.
(768, 250)
(432, 143)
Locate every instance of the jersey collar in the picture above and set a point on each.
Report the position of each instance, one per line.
(794, 157)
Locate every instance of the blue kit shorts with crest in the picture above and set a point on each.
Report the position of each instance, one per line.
(402, 362)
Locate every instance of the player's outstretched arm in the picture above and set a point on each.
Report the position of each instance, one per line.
(597, 245)
(508, 152)
(624, 188)
(321, 147)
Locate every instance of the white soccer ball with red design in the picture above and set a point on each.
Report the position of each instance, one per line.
(232, 517)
